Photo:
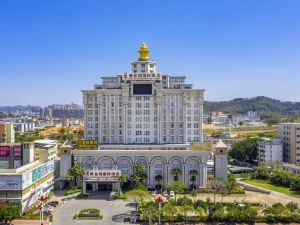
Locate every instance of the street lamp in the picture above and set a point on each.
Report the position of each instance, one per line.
(42, 199)
(159, 200)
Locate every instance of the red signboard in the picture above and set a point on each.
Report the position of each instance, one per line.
(4, 150)
(17, 150)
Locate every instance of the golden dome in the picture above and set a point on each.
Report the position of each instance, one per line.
(144, 52)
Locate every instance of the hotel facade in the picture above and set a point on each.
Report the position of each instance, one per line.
(143, 116)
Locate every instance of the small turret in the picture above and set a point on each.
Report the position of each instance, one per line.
(144, 52)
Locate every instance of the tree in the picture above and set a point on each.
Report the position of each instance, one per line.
(244, 150)
(8, 213)
(193, 174)
(176, 186)
(230, 182)
(158, 179)
(216, 186)
(140, 174)
(122, 179)
(137, 196)
(176, 172)
(74, 172)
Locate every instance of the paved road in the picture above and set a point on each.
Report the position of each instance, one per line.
(111, 210)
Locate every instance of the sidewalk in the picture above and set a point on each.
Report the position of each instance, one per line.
(28, 222)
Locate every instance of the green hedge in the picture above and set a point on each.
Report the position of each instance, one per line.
(72, 191)
(121, 196)
(91, 213)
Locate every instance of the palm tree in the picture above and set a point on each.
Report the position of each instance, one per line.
(122, 179)
(176, 172)
(158, 178)
(193, 174)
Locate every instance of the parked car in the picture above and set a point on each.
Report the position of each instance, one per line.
(172, 193)
(110, 198)
(54, 204)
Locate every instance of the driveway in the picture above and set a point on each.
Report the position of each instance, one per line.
(113, 211)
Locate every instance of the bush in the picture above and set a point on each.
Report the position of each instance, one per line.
(184, 201)
(121, 196)
(89, 213)
(8, 213)
(72, 191)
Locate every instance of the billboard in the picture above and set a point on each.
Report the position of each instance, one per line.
(17, 150)
(10, 182)
(4, 150)
(87, 144)
(4, 164)
(42, 171)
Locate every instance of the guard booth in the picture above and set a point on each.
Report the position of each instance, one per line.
(101, 180)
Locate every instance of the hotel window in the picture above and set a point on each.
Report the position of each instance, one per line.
(138, 98)
(147, 105)
(196, 125)
(129, 105)
(129, 132)
(147, 112)
(146, 98)
(90, 119)
(112, 104)
(90, 112)
(189, 125)
(134, 65)
(90, 105)
(146, 119)
(138, 105)
(129, 119)
(129, 112)
(147, 132)
(143, 65)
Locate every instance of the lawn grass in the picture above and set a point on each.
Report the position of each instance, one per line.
(72, 191)
(265, 184)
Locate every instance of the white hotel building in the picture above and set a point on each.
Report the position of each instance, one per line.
(144, 116)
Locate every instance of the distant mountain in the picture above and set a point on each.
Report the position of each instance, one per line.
(261, 104)
(12, 109)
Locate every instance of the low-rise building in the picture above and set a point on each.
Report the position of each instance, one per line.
(15, 155)
(270, 151)
(23, 186)
(7, 132)
(290, 136)
(45, 150)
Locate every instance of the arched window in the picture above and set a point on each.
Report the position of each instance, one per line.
(88, 165)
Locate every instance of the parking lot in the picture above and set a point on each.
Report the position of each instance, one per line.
(113, 211)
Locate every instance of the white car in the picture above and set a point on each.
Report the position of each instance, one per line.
(48, 208)
(172, 193)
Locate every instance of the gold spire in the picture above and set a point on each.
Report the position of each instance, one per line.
(144, 52)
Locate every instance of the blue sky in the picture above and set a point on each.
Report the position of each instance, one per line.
(50, 50)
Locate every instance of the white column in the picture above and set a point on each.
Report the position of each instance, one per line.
(184, 174)
(83, 186)
(149, 174)
(205, 174)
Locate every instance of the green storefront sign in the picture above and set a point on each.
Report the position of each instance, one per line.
(36, 174)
